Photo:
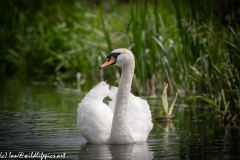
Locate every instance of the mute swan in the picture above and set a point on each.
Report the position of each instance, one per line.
(126, 119)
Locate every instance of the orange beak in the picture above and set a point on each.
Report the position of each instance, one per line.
(109, 62)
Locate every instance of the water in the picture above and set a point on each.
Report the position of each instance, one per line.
(40, 118)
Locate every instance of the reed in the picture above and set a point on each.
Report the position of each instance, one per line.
(173, 42)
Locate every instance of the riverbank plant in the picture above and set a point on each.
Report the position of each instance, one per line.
(221, 106)
(168, 110)
(187, 45)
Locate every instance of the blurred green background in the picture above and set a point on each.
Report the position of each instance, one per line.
(192, 45)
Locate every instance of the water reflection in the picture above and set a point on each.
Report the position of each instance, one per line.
(231, 142)
(163, 141)
(135, 151)
(167, 132)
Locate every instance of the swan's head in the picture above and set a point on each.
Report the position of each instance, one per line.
(119, 57)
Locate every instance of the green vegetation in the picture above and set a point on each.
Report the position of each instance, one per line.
(168, 110)
(192, 45)
(226, 115)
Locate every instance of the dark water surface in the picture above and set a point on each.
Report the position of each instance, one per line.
(36, 119)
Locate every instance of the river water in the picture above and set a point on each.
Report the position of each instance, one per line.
(40, 120)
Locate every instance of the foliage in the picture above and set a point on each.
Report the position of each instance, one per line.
(185, 44)
(211, 48)
(226, 114)
(62, 37)
(168, 111)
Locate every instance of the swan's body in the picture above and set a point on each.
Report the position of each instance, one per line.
(126, 119)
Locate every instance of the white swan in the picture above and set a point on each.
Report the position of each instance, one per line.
(126, 119)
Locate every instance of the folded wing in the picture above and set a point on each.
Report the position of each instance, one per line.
(94, 116)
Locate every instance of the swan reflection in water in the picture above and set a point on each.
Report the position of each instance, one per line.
(133, 151)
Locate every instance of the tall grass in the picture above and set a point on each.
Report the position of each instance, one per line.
(60, 38)
(149, 31)
(194, 54)
(211, 48)
(182, 44)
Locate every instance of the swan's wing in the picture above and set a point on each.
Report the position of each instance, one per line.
(94, 116)
(140, 117)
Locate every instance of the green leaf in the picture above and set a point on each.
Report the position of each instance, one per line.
(161, 112)
(226, 107)
(172, 105)
(164, 99)
(209, 101)
(207, 114)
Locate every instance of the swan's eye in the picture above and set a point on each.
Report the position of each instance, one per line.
(115, 55)
(108, 57)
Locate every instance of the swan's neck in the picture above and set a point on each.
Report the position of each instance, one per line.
(120, 132)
